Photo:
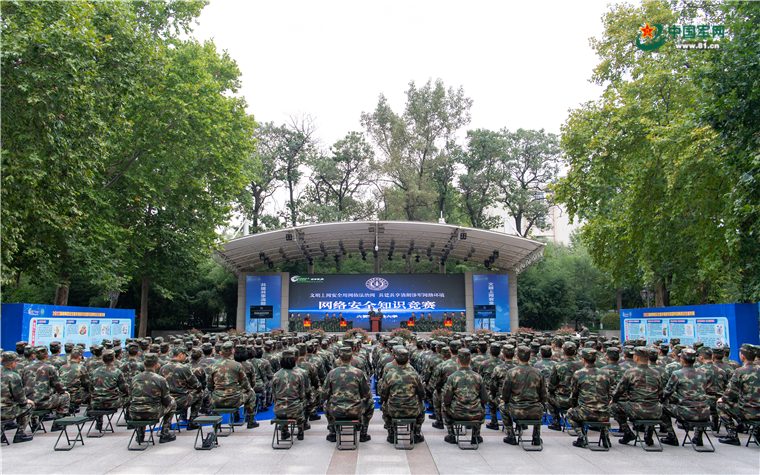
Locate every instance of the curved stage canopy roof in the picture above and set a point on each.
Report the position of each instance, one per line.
(260, 252)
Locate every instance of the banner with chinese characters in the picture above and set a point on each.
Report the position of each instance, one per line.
(43, 324)
(263, 291)
(397, 296)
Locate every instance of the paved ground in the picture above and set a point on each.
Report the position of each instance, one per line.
(249, 452)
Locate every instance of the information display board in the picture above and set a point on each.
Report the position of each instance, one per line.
(396, 295)
(492, 289)
(713, 325)
(43, 324)
(262, 290)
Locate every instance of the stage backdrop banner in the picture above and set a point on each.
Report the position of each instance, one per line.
(43, 324)
(713, 325)
(492, 289)
(263, 290)
(397, 295)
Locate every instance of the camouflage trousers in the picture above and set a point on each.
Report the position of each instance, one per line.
(623, 410)
(699, 413)
(556, 403)
(58, 402)
(78, 398)
(437, 406)
(22, 413)
(190, 400)
(247, 400)
(510, 414)
(163, 413)
(364, 415)
(296, 413)
(730, 413)
(390, 413)
(106, 404)
(578, 415)
(449, 418)
(493, 407)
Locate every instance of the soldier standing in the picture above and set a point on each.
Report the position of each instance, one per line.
(184, 386)
(150, 399)
(13, 401)
(741, 401)
(347, 396)
(402, 395)
(464, 397)
(590, 396)
(522, 396)
(77, 381)
(643, 388)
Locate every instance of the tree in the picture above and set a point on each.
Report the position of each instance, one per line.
(266, 180)
(418, 147)
(339, 179)
(644, 174)
(529, 164)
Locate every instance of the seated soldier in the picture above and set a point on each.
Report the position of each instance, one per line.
(560, 384)
(643, 387)
(402, 395)
(464, 398)
(522, 396)
(184, 386)
(43, 386)
(77, 381)
(741, 401)
(229, 386)
(347, 396)
(289, 391)
(108, 387)
(716, 381)
(590, 396)
(685, 398)
(150, 400)
(13, 402)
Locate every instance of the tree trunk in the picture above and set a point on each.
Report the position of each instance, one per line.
(113, 302)
(62, 292)
(659, 296)
(144, 309)
(619, 299)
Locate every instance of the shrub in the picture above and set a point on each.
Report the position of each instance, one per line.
(565, 331)
(317, 333)
(441, 332)
(195, 332)
(524, 330)
(276, 332)
(482, 332)
(357, 333)
(402, 333)
(611, 321)
(234, 332)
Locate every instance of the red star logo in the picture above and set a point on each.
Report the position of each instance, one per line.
(647, 31)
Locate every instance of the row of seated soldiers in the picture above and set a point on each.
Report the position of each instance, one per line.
(636, 381)
(154, 379)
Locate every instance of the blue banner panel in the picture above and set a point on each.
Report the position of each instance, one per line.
(263, 290)
(492, 289)
(397, 295)
(714, 325)
(43, 324)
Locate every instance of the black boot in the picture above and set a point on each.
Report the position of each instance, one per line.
(432, 416)
(363, 436)
(698, 437)
(389, 439)
(555, 425)
(140, 435)
(649, 436)
(418, 438)
(21, 436)
(12, 425)
(581, 442)
(99, 424)
(493, 425)
(510, 438)
(299, 434)
(732, 438)
(671, 439)
(168, 437)
(252, 424)
(536, 436)
(628, 434)
(450, 437)
(315, 417)
(438, 425)
(331, 437)
(192, 425)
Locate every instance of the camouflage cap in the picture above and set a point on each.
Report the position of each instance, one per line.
(688, 354)
(40, 351)
(301, 348)
(150, 359)
(496, 345)
(154, 347)
(179, 350)
(227, 347)
(75, 353)
(534, 345)
(705, 351)
(344, 351)
(628, 350)
(664, 347)
(288, 353)
(400, 351)
(116, 342)
(54, 345)
(196, 353)
(641, 351)
(268, 344)
(68, 347)
(546, 351)
(613, 351)
(206, 346)
(109, 354)
(164, 346)
(132, 345)
(446, 351)
(523, 352)
(675, 341)
(698, 344)
(749, 349)
(10, 357)
(455, 344)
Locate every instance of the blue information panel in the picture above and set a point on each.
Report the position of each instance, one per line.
(397, 295)
(43, 324)
(492, 289)
(262, 290)
(714, 325)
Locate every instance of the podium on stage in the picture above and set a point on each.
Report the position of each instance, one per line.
(374, 324)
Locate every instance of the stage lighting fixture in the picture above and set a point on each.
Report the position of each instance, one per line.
(261, 256)
(288, 237)
(390, 258)
(364, 257)
(271, 265)
(463, 236)
(431, 259)
(417, 259)
(495, 254)
(491, 259)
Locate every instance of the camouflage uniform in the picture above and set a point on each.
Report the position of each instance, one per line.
(560, 384)
(644, 389)
(77, 382)
(108, 387)
(522, 395)
(440, 375)
(184, 386)
(716, 381)
(498, 377)
(311, 378)
(56, 359)
(43, 386)
(591, 392)
(347, 395)
(741, 400)
(402, 394)
(131, 367)
(13, 401)
(229, 386)
(150, 398)
(684, 397)
(289, 392)
(464, 396)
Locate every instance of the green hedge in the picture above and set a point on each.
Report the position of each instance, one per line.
(611, 321)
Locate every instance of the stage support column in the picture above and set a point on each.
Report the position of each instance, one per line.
(240, 316)
(377, 264)
(514, 321)
(311, 267)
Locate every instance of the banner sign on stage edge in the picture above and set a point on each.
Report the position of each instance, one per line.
(396, 295)
(43, 324)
